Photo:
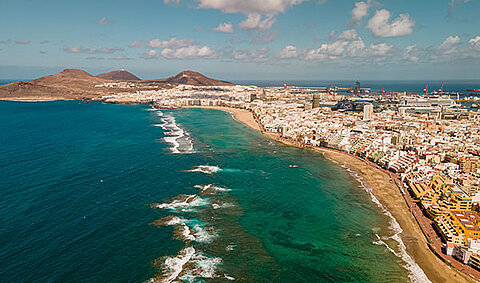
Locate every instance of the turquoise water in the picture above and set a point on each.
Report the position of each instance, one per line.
(79, 185)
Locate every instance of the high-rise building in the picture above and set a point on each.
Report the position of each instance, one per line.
(368, 112)
(316, 101)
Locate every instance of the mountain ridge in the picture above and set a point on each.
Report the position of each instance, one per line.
(79, 84)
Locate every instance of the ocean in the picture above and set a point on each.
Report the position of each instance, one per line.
(416, 86)
(121, 193)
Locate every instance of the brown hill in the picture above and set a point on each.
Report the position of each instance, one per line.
(195, 78)
(68, 84)
(120, 75)
(12, 90)
(69, 76)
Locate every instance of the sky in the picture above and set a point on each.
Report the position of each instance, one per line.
(244, 39)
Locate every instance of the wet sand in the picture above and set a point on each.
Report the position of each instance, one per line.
(387, 193)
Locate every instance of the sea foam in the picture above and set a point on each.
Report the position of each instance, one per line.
(207, 169)
(178, 138)
(210, 189)
(182, 203)
(189, 265)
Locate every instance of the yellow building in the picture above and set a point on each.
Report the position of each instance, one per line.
(434, 211)
(458, 223)
(454, 198)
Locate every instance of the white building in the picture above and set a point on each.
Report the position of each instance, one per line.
(368, 112)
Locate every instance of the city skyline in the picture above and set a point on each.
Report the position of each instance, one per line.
(245, 40)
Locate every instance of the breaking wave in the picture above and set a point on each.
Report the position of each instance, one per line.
(178, 138)
(207, 169)
(189, 265)
(210, 189)
(182, 203)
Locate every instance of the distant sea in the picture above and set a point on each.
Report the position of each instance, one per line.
(82, 183)
(388, 85)
(4, 82)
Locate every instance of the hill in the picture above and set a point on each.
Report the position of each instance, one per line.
(120, 75)
(68, 84)
(195, 78)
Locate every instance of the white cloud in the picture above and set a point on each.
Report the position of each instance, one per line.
(175, 48)
(326, 51)
(254, 9)
(380, 27)
(248, 6)
(255, 22)
(447, 49)
(348, 35)
(449, 45)
(88, 50)
(360, 11)
(172, 43)
(104, 21)
(475, 42)
(380, 49)
(411, 53)
(189, 52)
(356, 48)
(171, 1)
(288, 52)
(225, 27)
(347, 49)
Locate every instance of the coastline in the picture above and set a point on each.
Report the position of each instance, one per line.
(387, 193)
(376, 180)
(32, 99)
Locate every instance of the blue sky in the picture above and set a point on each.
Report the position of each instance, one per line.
(244, 39)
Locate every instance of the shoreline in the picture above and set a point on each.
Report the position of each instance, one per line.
(388, 194)
(377, 182)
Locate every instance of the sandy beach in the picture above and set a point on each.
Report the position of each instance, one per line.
(390, 197)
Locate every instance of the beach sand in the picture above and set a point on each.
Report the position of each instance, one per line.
(390, 197)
